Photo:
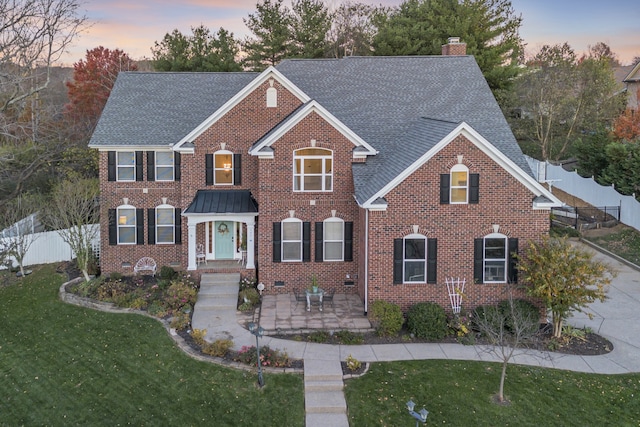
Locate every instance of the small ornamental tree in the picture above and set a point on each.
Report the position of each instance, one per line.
(564, 277)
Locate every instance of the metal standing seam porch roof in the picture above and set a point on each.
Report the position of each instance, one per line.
(222, 201)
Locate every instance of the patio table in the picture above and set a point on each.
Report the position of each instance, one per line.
(310, 295)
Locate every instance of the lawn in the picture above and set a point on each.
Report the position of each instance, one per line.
(460, 394)
(624, 242)
(65, 365)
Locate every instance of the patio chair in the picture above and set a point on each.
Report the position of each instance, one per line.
(300, 297)
(200, 254)
(328, 297)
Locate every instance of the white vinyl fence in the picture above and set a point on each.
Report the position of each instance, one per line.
(588, 190)
(49, 247)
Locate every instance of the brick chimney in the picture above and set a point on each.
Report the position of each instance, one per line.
(454, 47)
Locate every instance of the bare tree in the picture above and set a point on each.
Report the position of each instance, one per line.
(352, 30)
(510, 330)
(73, 213)
(19, 219)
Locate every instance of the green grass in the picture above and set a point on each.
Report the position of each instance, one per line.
(65, 365)
(461, 394)
(625, 243)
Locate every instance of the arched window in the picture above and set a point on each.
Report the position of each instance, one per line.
(126, 224)
(291, 240)
(312, 169)
(272, 97)
(223, 167)
(165, 224)
(459, 184)
(333, 239)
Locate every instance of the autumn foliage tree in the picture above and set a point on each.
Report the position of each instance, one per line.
(93, 79)
(627, 126)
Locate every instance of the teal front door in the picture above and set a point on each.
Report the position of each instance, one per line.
(223, 235)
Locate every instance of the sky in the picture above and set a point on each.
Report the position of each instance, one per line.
(134, 26)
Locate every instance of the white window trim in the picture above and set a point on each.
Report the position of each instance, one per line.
(459, 168)
(325, 240)
(172, 165)
(404, 257)
(215, 169)
(131, 166)
(324, 174)
(505, 259)
(119, 226)
(173, 225)
(283, 241)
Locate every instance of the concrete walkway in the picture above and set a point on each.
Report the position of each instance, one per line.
(617, 319)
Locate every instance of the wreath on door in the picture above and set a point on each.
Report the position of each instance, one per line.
(223, 228)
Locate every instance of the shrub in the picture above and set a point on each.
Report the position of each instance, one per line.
(180, 294)
(483, 313)
(250, 295)
(157, 309)
(352, 363)
(139, 303)
(198, 336)
(268, 357)
(218, 348)
(115, 276)
(180, 321)
(245, 306)
(524, 310)
(427, 320)
(247, 283)
(318, 336)
(111, 290)
(387, 317)
(167, 273)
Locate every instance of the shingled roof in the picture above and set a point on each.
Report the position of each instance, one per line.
(401, 106)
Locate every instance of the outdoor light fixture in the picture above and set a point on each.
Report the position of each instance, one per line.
(419, 416)
(258, 331)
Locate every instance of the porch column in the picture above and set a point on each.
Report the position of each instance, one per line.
(192, 247)
(251, 225)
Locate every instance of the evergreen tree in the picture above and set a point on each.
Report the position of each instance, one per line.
(271, 26)
(311, 22)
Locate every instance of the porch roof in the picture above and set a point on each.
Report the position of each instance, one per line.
(222, 201)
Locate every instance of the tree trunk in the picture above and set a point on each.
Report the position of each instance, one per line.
(557, 326)
(502, 377)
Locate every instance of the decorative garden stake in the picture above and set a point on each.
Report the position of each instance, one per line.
(258, 331)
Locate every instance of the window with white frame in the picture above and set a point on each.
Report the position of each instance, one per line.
(312, 169)
(126, 225)
(415, 259)
(495, 258)
(164, 166)
(459, 184)
(125, 166)
(291, 240)
(333, 239)
(223, 168)
(165, 224)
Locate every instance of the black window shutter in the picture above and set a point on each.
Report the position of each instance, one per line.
(397, 260)
(176, 166)
(151, 226)
(113, 228)
(306, 241)
(111, 166)
(237, 169)
(209, 168)
(512, 272)
(445, 184)
(474, 188)
(348, 241)
(140, 226)
(178, 225)
(432, 260)
(319, 242)
(139, 162)
(151, 165)
(277, 242)
(478, 260)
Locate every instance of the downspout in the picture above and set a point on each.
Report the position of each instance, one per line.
(366, 261)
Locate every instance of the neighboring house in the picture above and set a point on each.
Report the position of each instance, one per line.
(380, 175)
(629, 79)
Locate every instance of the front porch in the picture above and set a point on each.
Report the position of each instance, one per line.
(281, 314)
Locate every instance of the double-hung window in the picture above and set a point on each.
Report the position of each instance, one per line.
(223, 168)
(312, 169)
(459, 184)
(125, 166)
(333, 239)
(415, 259)
(126, 225)
(495, 259)
(165, 224)
(164, 166)
(291, 240)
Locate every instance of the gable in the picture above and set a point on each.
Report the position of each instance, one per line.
(269, 74)
(541, 197)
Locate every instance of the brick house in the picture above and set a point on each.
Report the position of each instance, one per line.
(379, 175)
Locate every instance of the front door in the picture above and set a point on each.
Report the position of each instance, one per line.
(223, 232)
